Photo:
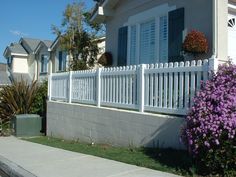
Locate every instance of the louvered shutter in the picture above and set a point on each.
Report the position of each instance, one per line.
(175, 37)
(122, 46)
(133, 40)
(147, 42)
(163, 41)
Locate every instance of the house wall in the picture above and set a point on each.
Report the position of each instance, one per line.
(113, 126)
(222, 32)
(31, 65)
(198, 15)
(20, 64)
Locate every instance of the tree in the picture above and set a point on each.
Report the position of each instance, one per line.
(78, 36)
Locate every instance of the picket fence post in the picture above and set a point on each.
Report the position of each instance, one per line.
(70, 87)
(141, 87)
(98, 90)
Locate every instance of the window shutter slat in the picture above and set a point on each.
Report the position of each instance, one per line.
(163, 42)
(175, 37)
(122, 46)
(133, 38)
(147, 42)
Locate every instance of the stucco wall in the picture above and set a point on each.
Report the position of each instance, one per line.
(222, 33)
(31, 66)
(198, 15)
(19, 64)
(112, 126)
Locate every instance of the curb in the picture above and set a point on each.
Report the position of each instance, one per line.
(13, 170)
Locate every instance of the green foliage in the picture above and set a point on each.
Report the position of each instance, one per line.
(78, 36)
(38, 106)
(17, 98)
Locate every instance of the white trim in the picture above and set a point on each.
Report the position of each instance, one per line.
(18, 54)
(151, 13)
(232, 6)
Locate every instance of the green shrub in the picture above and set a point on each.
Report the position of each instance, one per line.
(39, 103)
(17, 98)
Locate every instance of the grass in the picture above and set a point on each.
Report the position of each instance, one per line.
(167, 160)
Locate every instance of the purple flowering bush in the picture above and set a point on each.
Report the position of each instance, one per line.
(210, 132)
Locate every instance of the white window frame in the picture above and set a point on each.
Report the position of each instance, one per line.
(145, 16)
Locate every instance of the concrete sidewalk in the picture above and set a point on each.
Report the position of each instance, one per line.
(30, 160)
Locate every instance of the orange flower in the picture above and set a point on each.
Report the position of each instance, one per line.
(195, 42)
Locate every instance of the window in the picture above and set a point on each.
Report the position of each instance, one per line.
(163, 41)
(62, 61)
(44, 63)
(147, 42)
(231, 22)
(151, 40)
(133, 35)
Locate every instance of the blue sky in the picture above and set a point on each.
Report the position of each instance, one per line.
(30, 18)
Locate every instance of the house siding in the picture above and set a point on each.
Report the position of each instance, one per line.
(198, 15)
(31, 66)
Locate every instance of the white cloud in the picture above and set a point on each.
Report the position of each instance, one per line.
(18, 33)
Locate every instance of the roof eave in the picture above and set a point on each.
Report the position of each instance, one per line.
(20, 54)
(103, 11)
(5, 51)
(54, 44)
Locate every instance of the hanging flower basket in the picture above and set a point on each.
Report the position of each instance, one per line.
(195, 43)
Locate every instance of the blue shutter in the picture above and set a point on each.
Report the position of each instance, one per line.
(60, 60)
(175, 37)
(133, 40)
(122, 46)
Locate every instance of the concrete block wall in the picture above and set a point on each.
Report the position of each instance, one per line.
(113, 126)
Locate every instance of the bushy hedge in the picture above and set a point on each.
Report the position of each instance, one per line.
(210, 132)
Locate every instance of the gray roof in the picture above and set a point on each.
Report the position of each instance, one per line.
(17, 48)
(20, 76)
(48, 43)
(4, 79)
(32, 43)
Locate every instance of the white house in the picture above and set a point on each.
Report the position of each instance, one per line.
(153, 31)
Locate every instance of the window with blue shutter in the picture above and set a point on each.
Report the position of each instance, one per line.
(122, 46)
(175, 37)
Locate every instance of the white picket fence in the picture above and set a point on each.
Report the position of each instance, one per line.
(162, 88)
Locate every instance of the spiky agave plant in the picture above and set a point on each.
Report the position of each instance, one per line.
(17, 98)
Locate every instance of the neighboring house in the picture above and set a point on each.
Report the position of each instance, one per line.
(35, 58)
(4, 77)
(153, 31)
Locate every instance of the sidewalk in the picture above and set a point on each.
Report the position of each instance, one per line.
(30, 159)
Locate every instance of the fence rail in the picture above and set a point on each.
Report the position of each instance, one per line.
(163, 88)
